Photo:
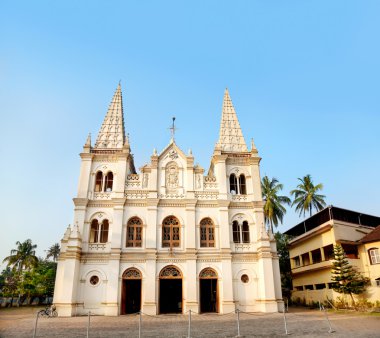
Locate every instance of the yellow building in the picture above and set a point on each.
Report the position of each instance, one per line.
(311, 252)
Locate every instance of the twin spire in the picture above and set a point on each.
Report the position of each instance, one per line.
(112, 133)
(231, 138)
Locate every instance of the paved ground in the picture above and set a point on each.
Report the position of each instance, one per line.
(301, 323)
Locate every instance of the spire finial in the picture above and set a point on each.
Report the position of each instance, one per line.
(173, 129)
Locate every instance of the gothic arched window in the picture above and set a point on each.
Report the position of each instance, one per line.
(236, 232)
(134, 232)
(245, 232)
(242, 185)
(108, 182)
(240, 232)
(170, 232)
(104, 231)
(207, 232)
(98, 181)
(233, 184)
(94, 231)
(99, 232)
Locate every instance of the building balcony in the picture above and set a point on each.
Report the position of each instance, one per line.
(311, 267)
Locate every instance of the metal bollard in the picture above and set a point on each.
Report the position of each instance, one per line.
(189, 329)
(35, 326)
(88, 323)
(327, 318)
(286, 325)
(139, 324)
(238, 323)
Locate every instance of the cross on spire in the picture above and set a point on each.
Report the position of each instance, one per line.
(173, 128)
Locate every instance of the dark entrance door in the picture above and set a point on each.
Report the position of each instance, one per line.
(170, 295)
(131, 295)
(209, 295)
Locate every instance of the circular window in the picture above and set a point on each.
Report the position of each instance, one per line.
(245, 278)
(94, 280)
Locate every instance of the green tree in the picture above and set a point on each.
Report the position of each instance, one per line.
(306, 196)
(53, 252)
(282, 242)
(24, 257)
(274, 209)
(345, 278)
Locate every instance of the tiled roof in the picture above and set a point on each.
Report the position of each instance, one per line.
(373, 236)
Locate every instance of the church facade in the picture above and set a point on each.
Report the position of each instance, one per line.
(172, 237)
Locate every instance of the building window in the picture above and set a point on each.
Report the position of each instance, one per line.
(235, 232)
(245, 232)
(296, 262)
(306, 259)
(374, 256)
(170, 232)
(377, 280)
(134, 232)
(98, 181)
(108, 182)
(99, 232)
(207, 230)
(320, 286)
(233, 184)
(240, 232)
(309, 287)
(329, 252)
(316, 256)
(242, 185)
(94, 280)
(244, 278)
(94, 232)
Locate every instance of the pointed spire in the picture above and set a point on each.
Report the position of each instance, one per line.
(112, 134)
(231, 138)
(88, 141)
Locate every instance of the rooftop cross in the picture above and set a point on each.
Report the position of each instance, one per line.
(173, 128)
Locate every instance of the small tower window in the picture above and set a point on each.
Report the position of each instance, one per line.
(207, 233)
(99, 232)
(242, 185)
(245, 232)
(109, 182)
(94, 232)
(134, 230)
(104, 231)
(235, 232)
(233, 184)
(98, 181)
(240, 232)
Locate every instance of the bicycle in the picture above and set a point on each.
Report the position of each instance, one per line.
(49, 312)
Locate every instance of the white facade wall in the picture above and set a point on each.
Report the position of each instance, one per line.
(90, 274)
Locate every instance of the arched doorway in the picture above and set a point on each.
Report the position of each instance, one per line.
(170, 300)
(131, 291)
(208, 290)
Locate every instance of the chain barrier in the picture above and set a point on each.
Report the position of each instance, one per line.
(180, 317)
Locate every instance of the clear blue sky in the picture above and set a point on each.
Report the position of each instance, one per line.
(303, 76)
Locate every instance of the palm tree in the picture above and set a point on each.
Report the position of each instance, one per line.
(53, 252)
(24, 257)
(306, 197)
(274, 210)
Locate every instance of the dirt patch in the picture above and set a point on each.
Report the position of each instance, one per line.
(300, 323)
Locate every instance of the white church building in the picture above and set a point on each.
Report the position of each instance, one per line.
(172, 237)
